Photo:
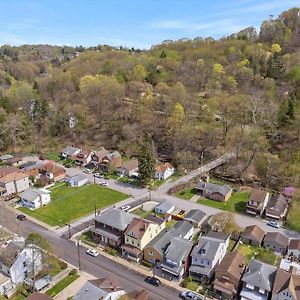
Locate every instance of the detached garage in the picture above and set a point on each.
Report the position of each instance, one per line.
(77, 180)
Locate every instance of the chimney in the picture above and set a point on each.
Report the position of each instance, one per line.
(292, 270)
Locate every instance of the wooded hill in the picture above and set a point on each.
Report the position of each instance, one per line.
(190, 97)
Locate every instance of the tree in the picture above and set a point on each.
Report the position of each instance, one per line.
(225, 222)
(146, 164)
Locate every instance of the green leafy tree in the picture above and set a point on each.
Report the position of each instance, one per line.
(146, 164)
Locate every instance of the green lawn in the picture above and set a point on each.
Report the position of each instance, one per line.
(70, 203)
(61, 285)
(231, 245)
(141, 213)
(53, 156)
(262, 254)
(293, 220)
(236, 203)
(86, 238)
(186, 194)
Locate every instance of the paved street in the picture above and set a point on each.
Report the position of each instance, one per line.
(99, 266)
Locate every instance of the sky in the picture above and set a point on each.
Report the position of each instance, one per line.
(131, 23)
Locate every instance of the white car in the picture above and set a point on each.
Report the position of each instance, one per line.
(104, 183)
(87, 171)
(92, 252)
(272, 224)
(190, 295)
(125, 208)
(98, 175)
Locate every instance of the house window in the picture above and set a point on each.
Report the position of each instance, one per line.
(132, 242)
(151, 252)
(250, 286)
(127, 239)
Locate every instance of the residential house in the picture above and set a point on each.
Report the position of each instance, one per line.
(253, 235)
(31, 168)
(35, 198)
(258, 281)
(17, 262)
(207, 254)
(163, 171)
(286, 285)
(129, 168)
(276, 241)
(83, 158)
(77, 180)
(69, 152)
(6, 286)
(286, 264)
(164, 208)
(102, 288)
(185, 228)
(98, 156)
(154, 251)
(176, 258)
(7, 170)
(14, 161)
(50, 171)
(196, 217)
(214, 191)
(294, 248)
(257, 202)
(6, 157)
(277, 207)
(15, 182)
(111, 161)
(228, 274)
(38, 296)
(137, 235)
(110, 226)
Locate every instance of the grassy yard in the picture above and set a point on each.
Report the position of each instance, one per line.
(259, 253)
(86, 238)
(53, 156)
(61, 285)
(236, 203)
(70, 203)
(186, 194)
(293, 220)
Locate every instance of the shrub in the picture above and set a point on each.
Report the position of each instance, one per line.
(146, 264)
(111, 251)
(73, 272)
(63, 265)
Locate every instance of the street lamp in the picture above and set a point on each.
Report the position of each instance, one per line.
(78, 243)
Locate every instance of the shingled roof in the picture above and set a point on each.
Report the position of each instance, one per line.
(213, 188)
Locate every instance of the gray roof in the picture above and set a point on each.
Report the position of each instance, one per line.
(208, 246)
(70, 151)
(218, 235)
(183, 227)
(178, 249)
(195, 215)
(165, 206)
(5, 157)
(91, 292)
(213, 188)
(31, 194)
(78, 178)
(9, 254)
(260, 274)
(114, 154)
(30, 165)
(115, 218)
(277, 237)
(277, 204)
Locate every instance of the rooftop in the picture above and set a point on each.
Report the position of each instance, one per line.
(258, 195)
(214, 188)
(195, 215)
(277, 237)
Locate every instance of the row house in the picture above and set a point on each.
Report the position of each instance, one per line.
(257, 202)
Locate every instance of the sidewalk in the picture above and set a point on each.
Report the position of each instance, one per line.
(134, 266)
(74, 287)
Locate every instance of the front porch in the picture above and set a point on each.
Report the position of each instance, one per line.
(131, 253)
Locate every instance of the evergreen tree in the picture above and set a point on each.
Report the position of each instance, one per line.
(146, 164)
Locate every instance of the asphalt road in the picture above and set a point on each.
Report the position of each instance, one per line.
(97, 266)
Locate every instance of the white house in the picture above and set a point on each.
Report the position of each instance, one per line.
(207, 254)
(35, 198)
(102, 288)
(17, 263)
(163, 171)
(15, 182)
(294, 248)
(77, 180)
(70, 151)
(165, 207)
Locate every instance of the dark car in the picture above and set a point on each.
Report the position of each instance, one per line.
(21, 217)
(153, 280)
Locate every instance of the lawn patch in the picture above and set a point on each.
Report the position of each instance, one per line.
(141, 213)
(70, 203)
(186, 194)
(293, 220)
(262, 254)
(236, 203)
(86, 238)
(61, 285)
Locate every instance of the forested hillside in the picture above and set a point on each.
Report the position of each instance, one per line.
(192, 98)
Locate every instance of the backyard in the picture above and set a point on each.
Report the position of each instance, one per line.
(262, 254)
(70, 203)
(293, 220)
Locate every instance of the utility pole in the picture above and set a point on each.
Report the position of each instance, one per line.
(78, 253)
(69, 230)
(95, 211)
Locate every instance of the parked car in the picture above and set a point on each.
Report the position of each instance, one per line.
(125, 208)
(92, 252)
(273, 224)
(153, 280)
(87, 171)
(104, 183)
(181, 214)
(190, 295)
(21, 217)
(98, 175)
